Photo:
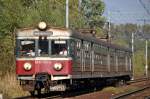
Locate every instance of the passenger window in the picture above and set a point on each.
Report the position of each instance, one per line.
(43, 47)
(59, 47)
(27, 48)
(86, 45)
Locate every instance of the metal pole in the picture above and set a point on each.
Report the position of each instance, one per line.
(109, 35)
(132, 42)
(67, 13)
(109, 26)
(146, 54)
(146, 57)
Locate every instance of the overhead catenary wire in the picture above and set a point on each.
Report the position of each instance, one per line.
(144, 6)
(127, 17)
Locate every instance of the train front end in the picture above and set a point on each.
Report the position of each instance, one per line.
(43, 58)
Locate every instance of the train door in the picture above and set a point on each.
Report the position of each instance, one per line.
(76, 54)
(82, 58)
(86, 58)
(79, 55)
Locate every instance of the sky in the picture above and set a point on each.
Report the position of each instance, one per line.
(127, 11)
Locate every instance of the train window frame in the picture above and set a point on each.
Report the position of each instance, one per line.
(78, 48)
(28, 52)
(58, 52)
(121, 54)
(112, 56)
(41, 52)
(86, 46)
(104, 50)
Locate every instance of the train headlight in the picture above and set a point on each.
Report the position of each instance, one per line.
(58, 66)
(42, 25)
(27, 66)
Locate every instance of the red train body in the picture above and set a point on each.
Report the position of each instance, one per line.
(44, 66)
(57, 59)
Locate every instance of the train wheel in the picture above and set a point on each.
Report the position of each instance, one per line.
(120, 83)
(32, 93)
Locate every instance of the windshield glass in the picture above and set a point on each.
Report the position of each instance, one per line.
(42, 48)
(27, 48)
(59, 47)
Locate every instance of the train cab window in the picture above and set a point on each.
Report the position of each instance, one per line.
(26, 48)
(43, 47)
(59, 47)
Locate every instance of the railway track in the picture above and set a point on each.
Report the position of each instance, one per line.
(124, 95)
(72, 94)
(58, 95)
(136, 91)
(138, 80)
(42, 96)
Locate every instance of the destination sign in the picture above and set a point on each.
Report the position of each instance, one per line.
(43, 33)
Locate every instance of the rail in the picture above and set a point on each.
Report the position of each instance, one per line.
(130, 93)
(138, 80)
(123, 95)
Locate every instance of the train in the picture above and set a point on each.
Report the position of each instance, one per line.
(59, 59)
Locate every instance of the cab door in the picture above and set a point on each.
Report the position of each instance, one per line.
(86, 59)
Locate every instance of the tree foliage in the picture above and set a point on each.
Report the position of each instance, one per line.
(92, 11)
(26, 13)
(122, 35)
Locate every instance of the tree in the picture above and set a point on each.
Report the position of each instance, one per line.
(92, 11)
(122, 35)
(26, 13)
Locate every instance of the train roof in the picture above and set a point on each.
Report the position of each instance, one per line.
(90, 37)
(71, 33)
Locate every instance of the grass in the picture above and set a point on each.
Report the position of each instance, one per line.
(139, 63)
(10, 87)
(118, 90)
(114, 90)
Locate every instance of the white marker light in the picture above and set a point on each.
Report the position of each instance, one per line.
(42, 25)
(27, 66)
(58, 66)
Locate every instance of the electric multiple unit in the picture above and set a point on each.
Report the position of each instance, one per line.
(59, 59)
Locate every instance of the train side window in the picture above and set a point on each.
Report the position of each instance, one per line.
(59, 47)
(112, 56)
(104, 50)
(95, 46)
(77, 45)
(27, 48)
(86, 45)
(43, 47)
